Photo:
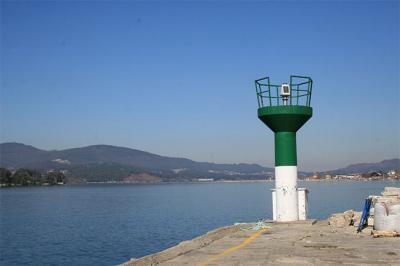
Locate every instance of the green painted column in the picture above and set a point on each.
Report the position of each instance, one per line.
(285, 149)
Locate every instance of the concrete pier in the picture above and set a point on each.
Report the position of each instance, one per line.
(308, 242)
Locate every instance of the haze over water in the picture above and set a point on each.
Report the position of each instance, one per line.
(109, 224)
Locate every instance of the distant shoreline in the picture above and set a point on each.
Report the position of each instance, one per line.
(200, 182)
(238, 181)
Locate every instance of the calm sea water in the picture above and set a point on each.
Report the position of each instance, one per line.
(109, 224)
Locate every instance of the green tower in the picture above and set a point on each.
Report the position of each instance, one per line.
(285, 109)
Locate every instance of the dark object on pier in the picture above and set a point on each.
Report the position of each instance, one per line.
(365, 214)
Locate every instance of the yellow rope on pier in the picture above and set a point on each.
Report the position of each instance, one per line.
(232, 249)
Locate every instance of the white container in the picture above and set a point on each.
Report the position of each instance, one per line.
(387, 217)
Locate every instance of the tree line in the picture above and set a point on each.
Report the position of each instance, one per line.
(29, 177)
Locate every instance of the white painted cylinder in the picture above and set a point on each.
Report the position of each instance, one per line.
(286, 193)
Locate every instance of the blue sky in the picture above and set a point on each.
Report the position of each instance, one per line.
(177, 78)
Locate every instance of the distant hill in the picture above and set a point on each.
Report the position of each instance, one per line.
(385, 165)
(16, 155)
(103, 163)
(111, 163)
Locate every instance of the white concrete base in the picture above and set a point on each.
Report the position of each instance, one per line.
(288, 202)
(273, 204)
(302, 194)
